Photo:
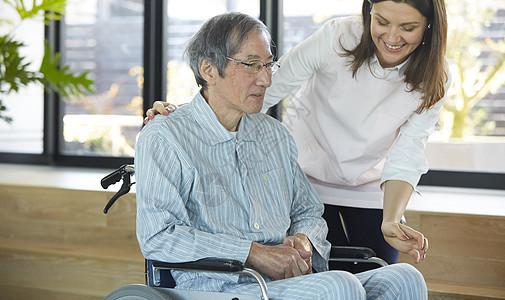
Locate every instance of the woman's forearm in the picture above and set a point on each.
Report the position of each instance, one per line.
(396, 197)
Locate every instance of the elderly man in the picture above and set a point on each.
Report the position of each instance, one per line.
(217, 179)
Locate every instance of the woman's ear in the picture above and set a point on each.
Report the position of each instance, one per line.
(208, 71)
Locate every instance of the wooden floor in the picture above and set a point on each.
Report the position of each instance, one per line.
(56, 243)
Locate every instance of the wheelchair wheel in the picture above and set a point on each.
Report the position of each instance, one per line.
(137, 292)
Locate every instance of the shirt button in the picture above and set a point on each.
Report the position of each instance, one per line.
(256, 225)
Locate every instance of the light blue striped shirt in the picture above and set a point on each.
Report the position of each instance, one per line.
(201, 192)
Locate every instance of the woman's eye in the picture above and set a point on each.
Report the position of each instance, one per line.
(408, 29)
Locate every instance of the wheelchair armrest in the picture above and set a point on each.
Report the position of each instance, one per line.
(351, 252)
(210, 265)
(355, 255)
(205, 264)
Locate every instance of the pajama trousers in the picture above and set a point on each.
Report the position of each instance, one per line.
(398, 281)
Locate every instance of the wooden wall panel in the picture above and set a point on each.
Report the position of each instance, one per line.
(58, 244)
(464, 250)
(67, 216)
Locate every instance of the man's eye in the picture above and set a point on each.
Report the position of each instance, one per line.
(256, 65)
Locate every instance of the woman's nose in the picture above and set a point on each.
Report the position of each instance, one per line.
(392, 36)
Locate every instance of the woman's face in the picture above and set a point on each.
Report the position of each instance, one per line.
(397, 29)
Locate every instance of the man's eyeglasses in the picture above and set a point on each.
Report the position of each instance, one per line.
(255, 66)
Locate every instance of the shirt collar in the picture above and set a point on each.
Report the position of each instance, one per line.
(215, 131)
(394, 73)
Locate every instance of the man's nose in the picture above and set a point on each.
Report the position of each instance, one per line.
(264, 77)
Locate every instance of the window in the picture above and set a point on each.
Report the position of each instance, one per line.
(454, 160)
(104, 38)
(471, 136)
(183, 22)
(133, 50)
(25, 133)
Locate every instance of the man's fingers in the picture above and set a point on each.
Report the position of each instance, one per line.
(301, 268)
(305, 254)
(287, 241)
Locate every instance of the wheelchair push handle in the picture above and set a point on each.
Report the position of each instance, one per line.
(116, 175)
(122, 173)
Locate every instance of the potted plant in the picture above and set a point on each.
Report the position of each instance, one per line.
(15, 69)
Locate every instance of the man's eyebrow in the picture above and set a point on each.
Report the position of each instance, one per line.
(256, 57)
(403, 24)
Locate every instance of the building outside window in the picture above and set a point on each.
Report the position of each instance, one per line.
(105, 38)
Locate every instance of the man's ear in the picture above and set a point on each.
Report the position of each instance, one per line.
(208, 71)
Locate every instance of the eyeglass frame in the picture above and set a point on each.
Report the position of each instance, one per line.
(274, 65)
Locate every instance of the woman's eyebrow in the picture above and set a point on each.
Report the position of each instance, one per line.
(403, 24)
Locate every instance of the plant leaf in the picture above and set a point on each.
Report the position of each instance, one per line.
(14, 71)
(62, 80)
(51, 9)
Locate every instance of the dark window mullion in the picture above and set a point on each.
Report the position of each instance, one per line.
(53, 119)
(155, 64)
(271, 13)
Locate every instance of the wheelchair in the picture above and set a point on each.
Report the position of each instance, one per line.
(160, 285)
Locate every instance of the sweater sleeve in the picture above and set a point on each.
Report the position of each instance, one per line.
(299, 64)
(407, 161)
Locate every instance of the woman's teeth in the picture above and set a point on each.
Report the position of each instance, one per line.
(393, 47)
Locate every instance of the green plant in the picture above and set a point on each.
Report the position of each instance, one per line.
(14, 67)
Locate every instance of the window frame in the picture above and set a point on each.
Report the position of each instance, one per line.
(155, 17)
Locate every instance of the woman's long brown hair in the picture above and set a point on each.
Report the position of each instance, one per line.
(426, 70)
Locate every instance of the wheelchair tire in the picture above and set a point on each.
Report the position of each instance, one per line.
(137, 292)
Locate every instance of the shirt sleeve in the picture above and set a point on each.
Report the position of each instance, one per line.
(407, 160)
(299, 64)
(306, 215)
(164, 229)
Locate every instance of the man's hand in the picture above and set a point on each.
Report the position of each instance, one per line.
(302, 244)
(405, 239)
(279, 261)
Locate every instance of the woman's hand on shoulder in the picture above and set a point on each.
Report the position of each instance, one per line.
(159, 107)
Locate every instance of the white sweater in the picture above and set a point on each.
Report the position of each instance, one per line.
(352, 133)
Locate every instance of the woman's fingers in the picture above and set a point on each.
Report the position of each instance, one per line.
(406, 240)
(159, 107)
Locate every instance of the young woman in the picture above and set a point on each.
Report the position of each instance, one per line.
(364, 94)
